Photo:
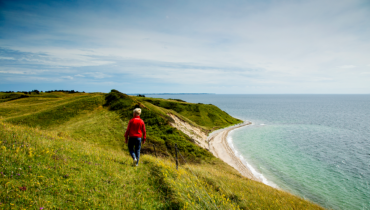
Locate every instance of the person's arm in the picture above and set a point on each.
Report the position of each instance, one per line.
(144, 133)
(127, 131)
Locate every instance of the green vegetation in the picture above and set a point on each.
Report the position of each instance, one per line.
(11, 96)
(160, 133)
(67, 151)
(206, 115)
(35, 103)
(59, 114)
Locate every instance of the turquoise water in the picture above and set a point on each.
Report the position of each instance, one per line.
(314, 146)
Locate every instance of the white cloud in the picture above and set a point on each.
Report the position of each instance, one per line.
(60, 57)
(324, 79)
(67, 77)
(13, 72)
(19, 70)
(347, 66)
(31, 79)
(288, 43)
(97, 75)
(6, 58)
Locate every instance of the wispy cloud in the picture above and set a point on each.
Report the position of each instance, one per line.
(67, 77)
(13, 72)
(288, 45)
(97, 75)
(6, 58)
(348, 66)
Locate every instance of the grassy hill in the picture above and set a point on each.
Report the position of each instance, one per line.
(67, 151)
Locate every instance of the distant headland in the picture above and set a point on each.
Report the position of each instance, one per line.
(170, 93)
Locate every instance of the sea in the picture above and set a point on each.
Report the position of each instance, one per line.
(314, 146)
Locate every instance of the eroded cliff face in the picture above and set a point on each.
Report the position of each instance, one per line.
(195, 133)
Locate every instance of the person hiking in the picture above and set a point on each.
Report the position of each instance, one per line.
(134, 134)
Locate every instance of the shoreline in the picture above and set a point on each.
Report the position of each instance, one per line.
(218, 145)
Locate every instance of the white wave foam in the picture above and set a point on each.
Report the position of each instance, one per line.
(229, 139)
(255, 173)
(260, 176)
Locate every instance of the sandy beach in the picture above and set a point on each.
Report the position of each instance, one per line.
(216, 143)
(220, 148)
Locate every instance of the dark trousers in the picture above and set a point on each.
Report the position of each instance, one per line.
(134, 146)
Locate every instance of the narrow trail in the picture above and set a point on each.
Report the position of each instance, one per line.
(219, 146)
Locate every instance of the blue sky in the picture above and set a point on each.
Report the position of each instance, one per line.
(173, 46)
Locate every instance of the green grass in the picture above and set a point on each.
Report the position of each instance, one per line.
(77, 160)
(160, 133)
(35, 103)
(206, 115)
(4, 97)
(100, 126)
(64, 173)
(41, 169)
(59, 114)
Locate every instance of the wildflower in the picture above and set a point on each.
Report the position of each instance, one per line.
(23, 188)
(41, 207)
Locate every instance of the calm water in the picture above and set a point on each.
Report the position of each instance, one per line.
(314, 146)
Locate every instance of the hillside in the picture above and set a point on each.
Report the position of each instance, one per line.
(67, 151)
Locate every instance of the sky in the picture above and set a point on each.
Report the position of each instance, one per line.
(186, 46)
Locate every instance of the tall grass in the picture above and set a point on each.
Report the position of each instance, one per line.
(40, 169)
(206, 115)
(77, 160)
(160, 132)
(36, 103)
(59, 114)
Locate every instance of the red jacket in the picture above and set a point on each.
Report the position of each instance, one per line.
(136, 128)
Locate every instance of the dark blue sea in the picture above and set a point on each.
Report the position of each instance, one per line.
(313, 146)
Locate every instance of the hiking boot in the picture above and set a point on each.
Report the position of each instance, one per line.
(135, 161)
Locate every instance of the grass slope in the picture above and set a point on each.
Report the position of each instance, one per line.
(207, 115)
(11, 96)
(81, 161)
(36, 103)
(40, 169)
(59, 114)
(160, 133)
